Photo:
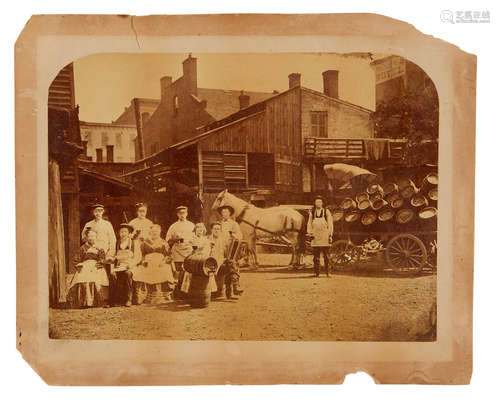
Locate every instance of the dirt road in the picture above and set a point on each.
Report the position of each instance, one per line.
(277, 304)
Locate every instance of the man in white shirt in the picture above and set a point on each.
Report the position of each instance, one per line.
(106, 239)
(178, 237)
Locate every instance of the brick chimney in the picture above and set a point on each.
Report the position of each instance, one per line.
(331, 83)
(190, 75)
(293, 80)
(145, 117)
(165, 83)
(244, 100)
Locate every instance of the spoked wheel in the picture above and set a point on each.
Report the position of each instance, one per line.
(406, 252)
(343, 254)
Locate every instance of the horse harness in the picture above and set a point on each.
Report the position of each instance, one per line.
(240, 218)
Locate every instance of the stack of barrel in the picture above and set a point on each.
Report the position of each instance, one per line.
(400, 201)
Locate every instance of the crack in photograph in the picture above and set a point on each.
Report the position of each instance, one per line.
(264, 197)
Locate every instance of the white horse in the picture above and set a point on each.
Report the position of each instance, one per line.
(256, 222)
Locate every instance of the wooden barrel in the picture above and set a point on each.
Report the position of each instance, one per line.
(385, 214)
(418, 200)
(404, 215)
(199, 292)
(408, 191)
(390, 188)
(395, 200)
(378, 204)
(362, 197)
(352, 216)
(337, 214)
(377, 195)
(347, 203)
(427, 213)
(363, 205)
(200, 264)
(431, 180)
(374, 188)
(368, 218)
(433, 194)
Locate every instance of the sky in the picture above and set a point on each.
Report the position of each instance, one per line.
(105, 83)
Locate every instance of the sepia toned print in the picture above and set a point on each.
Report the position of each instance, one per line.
(191, 198)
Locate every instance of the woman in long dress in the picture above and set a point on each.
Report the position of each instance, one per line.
(153, 277)
(90, 284)
(141, 224)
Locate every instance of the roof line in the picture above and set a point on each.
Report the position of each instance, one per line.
(197, 138)
(106, 177)
(338, 100)
(105, 124)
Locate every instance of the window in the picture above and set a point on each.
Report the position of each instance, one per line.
(260, 169)
(109, 153)
(318, 124)
(104, 138)
(98, 154)
(155, 147)
(176, 104)
(119, 140)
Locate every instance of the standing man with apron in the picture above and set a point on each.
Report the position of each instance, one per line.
(320, 228)
(179, 237)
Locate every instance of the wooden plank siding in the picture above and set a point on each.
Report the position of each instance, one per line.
(275, 130)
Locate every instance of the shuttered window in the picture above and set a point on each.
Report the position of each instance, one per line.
(224, 170)
(319, 124)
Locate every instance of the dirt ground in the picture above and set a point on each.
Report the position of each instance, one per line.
(278, 304)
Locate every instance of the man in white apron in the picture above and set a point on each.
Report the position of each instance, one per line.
(179, 237)
(320, 228)
(106, 239)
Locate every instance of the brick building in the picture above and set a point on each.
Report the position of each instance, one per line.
(394, 75)
(105, 142)
(268, 152)
(184, 108)
(137, 113)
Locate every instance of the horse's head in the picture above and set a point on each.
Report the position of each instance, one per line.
(220, 200)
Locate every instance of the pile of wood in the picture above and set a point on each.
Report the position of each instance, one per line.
(401, 201)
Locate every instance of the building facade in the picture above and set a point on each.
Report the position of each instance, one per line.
(394, 75)
(104, 142)
(262, 152)
(137, 113)
(185, 108)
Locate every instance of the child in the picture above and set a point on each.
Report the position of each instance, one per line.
(128, 255)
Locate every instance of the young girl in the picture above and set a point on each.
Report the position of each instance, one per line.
(200, 240)
(128, 255)
(153, 277)
(90, 284)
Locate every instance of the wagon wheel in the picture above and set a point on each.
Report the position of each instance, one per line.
(406, 252)
(343, 254)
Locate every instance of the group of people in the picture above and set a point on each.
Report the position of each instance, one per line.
(140, 266)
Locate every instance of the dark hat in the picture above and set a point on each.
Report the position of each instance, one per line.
(231, 209)
(320, 197)
(125, 225)
(181, 207)
(141, 204)
(96, 205)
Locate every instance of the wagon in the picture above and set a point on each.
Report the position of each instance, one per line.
(392, 223)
